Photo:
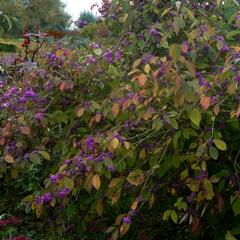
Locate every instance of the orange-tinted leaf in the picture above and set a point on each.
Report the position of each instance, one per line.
(134, 205)
(126, 104)
(80, 112)
(62, 86)
(155, 74)
(184, 48)
(238, 112)
(98, 117)
(7, 129)
(136, 177)
(195, 226)
(216, 109)
(124, 228)
(25, 130)
(2, 141)
(115, 182)
(142, 79)
(9, 158)
(205, 102)
(115, 109)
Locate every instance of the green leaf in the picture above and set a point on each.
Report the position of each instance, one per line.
(175, 52)
(208, 189)
(59, 117)
(195, 117)
(178, 24)
(174, 216)
(236, 207)
(157, 124)
(174, 123)
(45, 155)
(68, 182)
(229, 236)
(220, 144)
(166, 215)
(213, 152)
(166, 11)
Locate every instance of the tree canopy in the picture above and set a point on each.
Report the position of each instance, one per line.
(33, 13)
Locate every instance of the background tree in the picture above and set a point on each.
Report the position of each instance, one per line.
(32, 13)
(50, 15)
(88, 16)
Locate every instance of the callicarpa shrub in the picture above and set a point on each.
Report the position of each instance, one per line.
(135, 136)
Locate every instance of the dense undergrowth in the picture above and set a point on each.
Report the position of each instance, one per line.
(131, 132)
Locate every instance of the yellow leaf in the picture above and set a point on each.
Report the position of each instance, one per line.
(59, 52)
(9, 159)
(39, 209)
(219, 2)
(115, 182)
(99, 206)
(231, 89)
(123, 18)
(115, 109)
(28, 198)
(134, 205)
(96, 181)
(53, 202)
(136, 177)
(80, 112)
(220, 144)
(119, 219)
(126, 145)
(137, 63)
(166, 11)
(115, 143)
(151, 201)
(142, 154)
(147, 68)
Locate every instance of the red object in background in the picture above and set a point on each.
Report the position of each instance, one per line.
(21, 237)
(9, 221)
(26, 38)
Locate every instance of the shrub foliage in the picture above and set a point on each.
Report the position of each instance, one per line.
(133, 136)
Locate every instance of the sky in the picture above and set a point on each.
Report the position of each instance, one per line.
(74, 7)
